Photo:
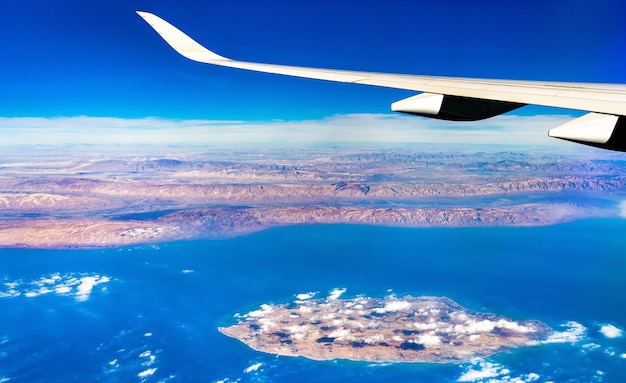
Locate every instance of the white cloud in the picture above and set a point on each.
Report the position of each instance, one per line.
(305, 309)
(341, 334)
(473, 327)
(63, 289)
(87, 284)
(67, 284)
(397, 306)
(622, 209)
(482, 370)
(298, 329)
(610, 331)
(513, 326)
(428, 340)
(426, 326)
(590, 346)
(532, 377)
(486, 372)
(336, 293)
(265, 309)
(305, 296)
(352, 128)
(574, 332)
(374, 339)
(266, 324)
(146, 373)
(252, 368)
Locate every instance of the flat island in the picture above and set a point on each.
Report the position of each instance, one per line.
(408, 329)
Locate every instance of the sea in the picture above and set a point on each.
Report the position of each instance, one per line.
(151, 313)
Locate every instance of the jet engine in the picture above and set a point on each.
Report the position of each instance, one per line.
(604, 131)
(601, 130)
(454, 108)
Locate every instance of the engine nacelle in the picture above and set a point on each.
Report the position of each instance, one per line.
(454, 108)
(594, 129)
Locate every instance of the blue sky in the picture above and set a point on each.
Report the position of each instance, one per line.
(98, 58)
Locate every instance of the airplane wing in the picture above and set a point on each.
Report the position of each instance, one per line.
(451, 98)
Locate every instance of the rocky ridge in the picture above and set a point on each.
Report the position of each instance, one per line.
(111, 202)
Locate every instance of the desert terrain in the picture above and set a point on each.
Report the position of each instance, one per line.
(393, 329)
(86, 197)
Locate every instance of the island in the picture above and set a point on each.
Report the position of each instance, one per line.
(392, 329)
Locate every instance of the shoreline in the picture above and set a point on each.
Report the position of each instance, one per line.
(221, 223)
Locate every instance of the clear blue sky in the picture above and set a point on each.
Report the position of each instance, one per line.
(98, 58)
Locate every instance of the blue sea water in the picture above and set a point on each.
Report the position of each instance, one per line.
(151, 313)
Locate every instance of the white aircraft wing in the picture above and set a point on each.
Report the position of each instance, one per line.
(450, 98)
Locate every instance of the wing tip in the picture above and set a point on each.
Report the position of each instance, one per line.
(145, 15)
(180, 41)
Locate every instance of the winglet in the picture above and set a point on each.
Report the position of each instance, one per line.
(178, 40)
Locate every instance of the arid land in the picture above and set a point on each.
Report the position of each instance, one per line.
(406, 329)
(85, 198)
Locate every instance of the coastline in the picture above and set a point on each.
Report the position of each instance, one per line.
(99, 201)
(216, 223)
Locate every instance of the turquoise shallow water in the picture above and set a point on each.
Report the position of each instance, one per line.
(151, 313)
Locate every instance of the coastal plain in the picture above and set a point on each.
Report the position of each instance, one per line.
(86, 197)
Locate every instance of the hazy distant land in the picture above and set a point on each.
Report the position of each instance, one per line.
(94, 198)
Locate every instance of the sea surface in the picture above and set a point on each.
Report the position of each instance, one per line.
(151, 313)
